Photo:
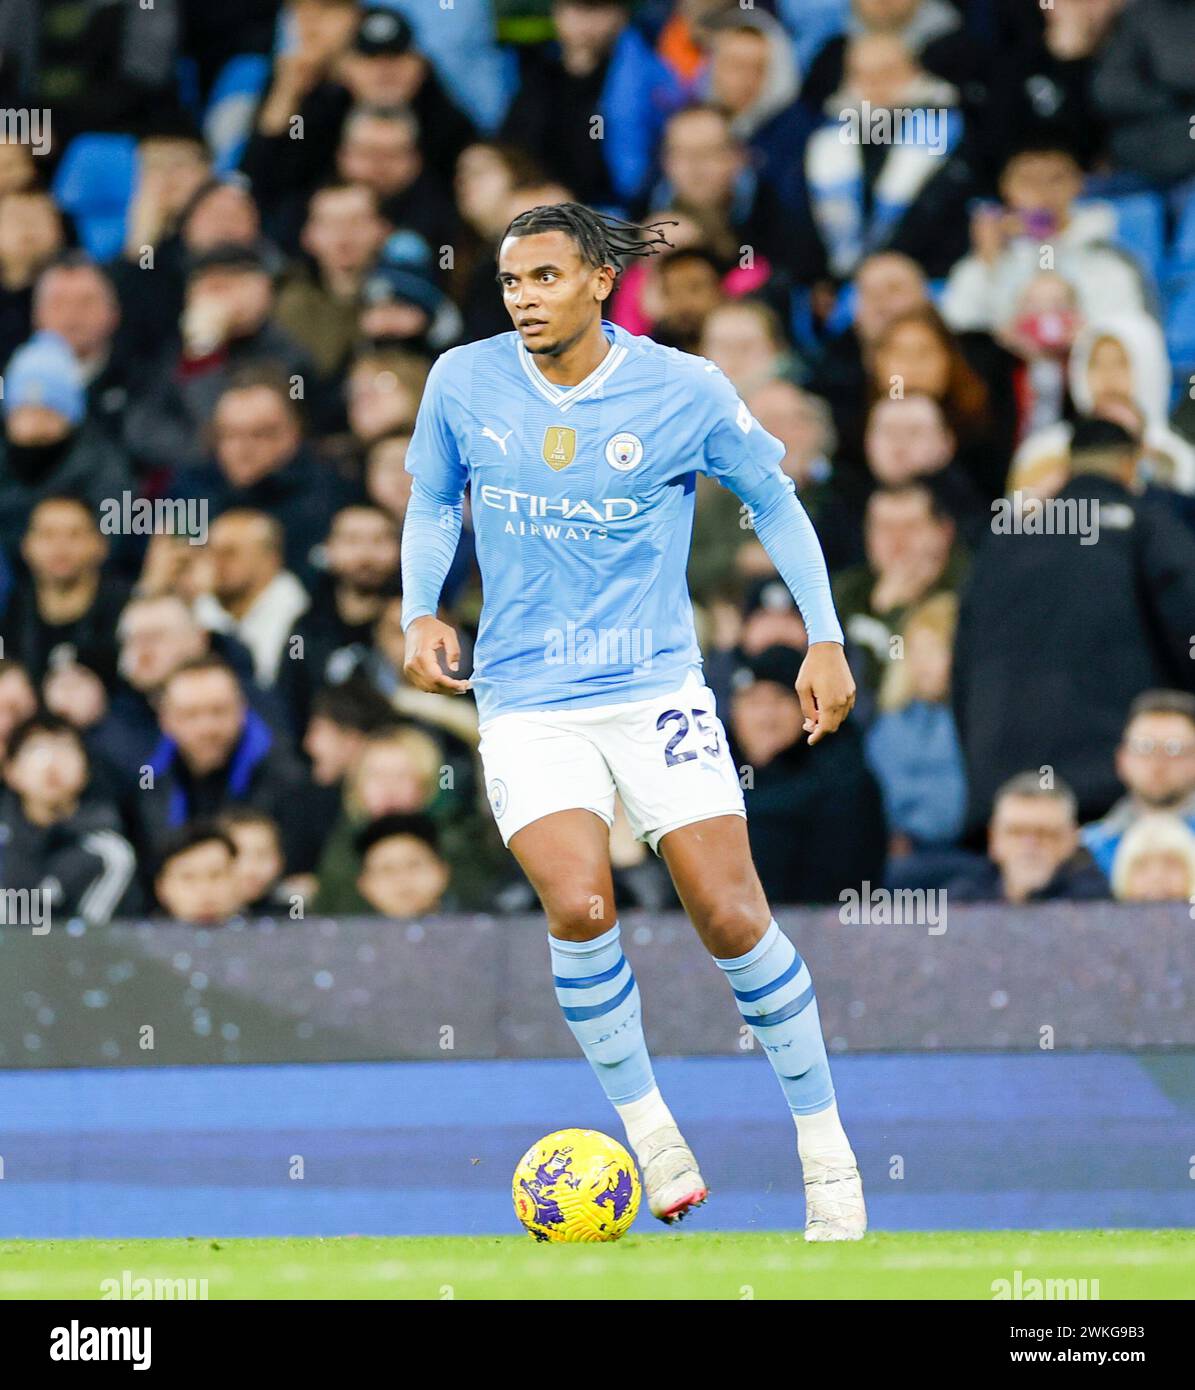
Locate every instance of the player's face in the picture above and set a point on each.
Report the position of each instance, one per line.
(553, 298)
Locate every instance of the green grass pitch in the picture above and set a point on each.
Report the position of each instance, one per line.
(764, 1265)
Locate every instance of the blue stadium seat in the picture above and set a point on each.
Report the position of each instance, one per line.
(1141, 230)
(1182, 254)
(1180, 325)
(229, 115)
(94, 183)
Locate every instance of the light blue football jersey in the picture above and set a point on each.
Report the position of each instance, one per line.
(582, 504)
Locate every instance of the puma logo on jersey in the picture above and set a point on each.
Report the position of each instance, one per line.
(500, 440)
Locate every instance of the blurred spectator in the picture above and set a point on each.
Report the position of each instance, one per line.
(915, 351)
(152, 282)
(402, 305)
(31, 235)
(600, 68)
(931, 31)
(18, 699)
(75, 299)
(195, 878)
(259, 860)
(318, 307)
(50, 448)
(1040, 330)
(752, 74)
(709, 178)
(1117, 360)
(64, 611)
(1033, 848)
(1144, 87)
(1156, 862)
(1057, 635)
(487, 174)
(745, 338)
(909, 541)
(1043, 82)
(912, 747)
(384, 386)
(688, 286)
(402, 874)
(904, 192)
(396, 773)
(1155, 762)
(908, 440)
(253, 596)
(262, 464)
(215, 753)
(1039, 186)
(58, 836)
(364, 99)
(342, 717)
(156, 634)
(172, 166)
(816, 822)
(360, 573)
(227, 327)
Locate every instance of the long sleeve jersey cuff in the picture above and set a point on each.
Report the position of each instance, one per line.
(430, 534)
(786, 533)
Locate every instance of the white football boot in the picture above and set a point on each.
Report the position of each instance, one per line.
(671, 1177)
(834, 1208)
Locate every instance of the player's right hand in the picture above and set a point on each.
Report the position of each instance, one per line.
(425, 638)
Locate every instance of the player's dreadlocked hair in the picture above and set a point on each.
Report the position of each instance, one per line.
(600, 238)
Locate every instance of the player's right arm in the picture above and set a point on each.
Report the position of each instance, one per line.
(430, 534)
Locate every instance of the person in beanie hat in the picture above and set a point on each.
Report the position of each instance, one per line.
(816, 821)
(402, 306)
(49, 448)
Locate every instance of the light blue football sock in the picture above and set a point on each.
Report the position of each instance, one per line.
(600, 999)
(775, 995)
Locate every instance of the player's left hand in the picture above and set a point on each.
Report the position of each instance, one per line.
(825, 688)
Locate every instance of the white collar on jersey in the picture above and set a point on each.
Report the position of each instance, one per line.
(564, 396)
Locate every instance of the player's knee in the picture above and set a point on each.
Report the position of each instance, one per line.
(580, 915)
(731, 927)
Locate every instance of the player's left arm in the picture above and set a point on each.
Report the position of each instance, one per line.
(742, 456)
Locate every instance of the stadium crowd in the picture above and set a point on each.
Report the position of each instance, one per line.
(945, 253)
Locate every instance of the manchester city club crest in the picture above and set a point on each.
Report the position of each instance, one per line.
(624, 451)
(560, 446)
(498, 797)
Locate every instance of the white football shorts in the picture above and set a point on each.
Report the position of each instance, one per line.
(666, 757)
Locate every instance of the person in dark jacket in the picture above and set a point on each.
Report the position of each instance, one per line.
(361, 557)
(599, 68)
(48, 448)
(215, 753)
(1144, 87)
(227, 328)
(54, 836)
(262, 463)
(64, 610)
(814, 815)
(1057, 635)
(382, 72)
(1034, 853)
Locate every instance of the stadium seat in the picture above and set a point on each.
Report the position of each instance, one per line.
(94, 183)
(1182, 254)
(230, 108)
(1141, 230)
(1180, 326)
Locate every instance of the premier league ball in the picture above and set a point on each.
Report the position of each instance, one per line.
(576, 1185)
